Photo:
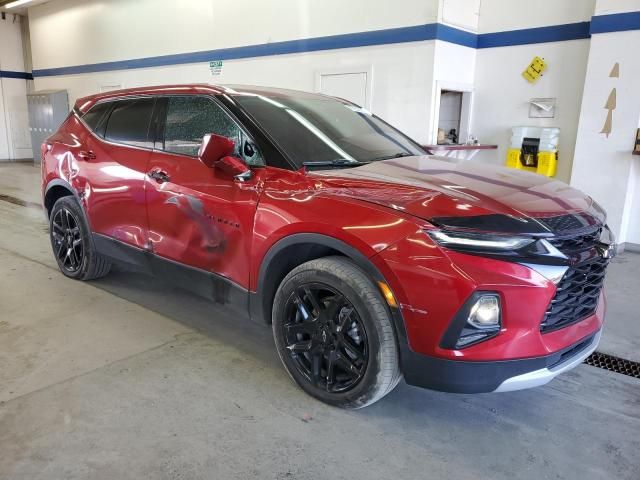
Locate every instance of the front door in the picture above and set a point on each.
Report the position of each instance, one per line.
(199, 216)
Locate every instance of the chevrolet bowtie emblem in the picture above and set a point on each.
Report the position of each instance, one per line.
(606, 251)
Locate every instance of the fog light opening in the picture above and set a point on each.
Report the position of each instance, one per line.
(483, 321)
(477, 320)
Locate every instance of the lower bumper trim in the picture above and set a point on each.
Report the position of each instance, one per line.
(545, 375)
(492, 376)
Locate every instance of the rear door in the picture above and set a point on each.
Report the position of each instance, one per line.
(115, 158)
(199, 216)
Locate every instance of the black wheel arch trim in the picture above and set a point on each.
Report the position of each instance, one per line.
(260, 302)
(58, 182)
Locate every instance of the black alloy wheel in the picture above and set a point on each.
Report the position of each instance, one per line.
(67, 240)
(325, 337)
(72, 242)
(334, 333)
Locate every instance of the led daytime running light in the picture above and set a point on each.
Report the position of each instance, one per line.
(479, 240)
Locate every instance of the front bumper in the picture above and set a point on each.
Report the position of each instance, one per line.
(498, 376)
(431, 285)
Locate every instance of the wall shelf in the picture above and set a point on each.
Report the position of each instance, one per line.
(461, 152)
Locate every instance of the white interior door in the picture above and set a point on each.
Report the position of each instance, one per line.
(350, 86)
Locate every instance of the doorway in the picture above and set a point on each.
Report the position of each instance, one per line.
(452, 114)
(449, 117)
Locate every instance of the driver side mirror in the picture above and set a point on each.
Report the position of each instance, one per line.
(216, 152)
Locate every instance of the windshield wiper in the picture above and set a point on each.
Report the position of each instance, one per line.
(337, 163)
(395, 155)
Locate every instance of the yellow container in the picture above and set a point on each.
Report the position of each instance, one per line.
(547, 162)
(513, 158)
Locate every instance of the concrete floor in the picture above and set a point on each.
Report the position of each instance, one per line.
(128, 378)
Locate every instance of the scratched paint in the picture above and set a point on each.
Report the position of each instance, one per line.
(211, 237)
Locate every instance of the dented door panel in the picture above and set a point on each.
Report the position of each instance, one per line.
(202, 217)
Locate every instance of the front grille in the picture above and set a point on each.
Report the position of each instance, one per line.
(576, 243)
(569, 222)
(577, 294)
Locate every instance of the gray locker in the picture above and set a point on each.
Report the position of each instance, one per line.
(47, 110)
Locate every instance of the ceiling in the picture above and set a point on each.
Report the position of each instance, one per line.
(22, 9)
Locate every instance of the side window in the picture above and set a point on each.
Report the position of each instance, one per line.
(129, 122)
(96, 116)
(190, 118)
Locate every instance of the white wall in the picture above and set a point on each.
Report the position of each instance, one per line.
(604, 167)
(502, 95)
(453, 69)
(403, 100)
(100, 31)
(401, 73)
(504, 15)
(15, 142)
(464, 14)
(607, 7)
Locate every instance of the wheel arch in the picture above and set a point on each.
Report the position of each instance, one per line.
(295, 249)
(56, 189)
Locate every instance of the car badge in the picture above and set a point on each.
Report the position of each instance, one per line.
(606, 251)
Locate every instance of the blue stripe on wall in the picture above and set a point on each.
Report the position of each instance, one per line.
(11, 74)
(430, 31)
(616, 22)
(349, 40)
(457, 36)
(554, 33)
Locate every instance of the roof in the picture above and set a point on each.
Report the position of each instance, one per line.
(85, 103)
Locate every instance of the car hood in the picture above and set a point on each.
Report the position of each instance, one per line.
(467, 194)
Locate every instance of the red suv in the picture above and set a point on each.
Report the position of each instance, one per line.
(371, 259)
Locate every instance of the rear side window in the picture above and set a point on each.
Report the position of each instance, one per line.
(95, 118)
(190, 118)
(129, 122)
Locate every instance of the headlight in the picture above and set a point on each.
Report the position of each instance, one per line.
(479, 241)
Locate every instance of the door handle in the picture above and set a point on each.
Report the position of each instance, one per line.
(86, 155)
(159, 176)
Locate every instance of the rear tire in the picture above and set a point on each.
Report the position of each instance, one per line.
(334, 333)
(72, 242)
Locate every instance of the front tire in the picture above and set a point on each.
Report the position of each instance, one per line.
(72, 244)
(334, 334)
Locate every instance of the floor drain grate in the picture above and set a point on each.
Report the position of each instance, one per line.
(614, 364)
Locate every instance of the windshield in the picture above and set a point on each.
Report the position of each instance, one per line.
(326, 131)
